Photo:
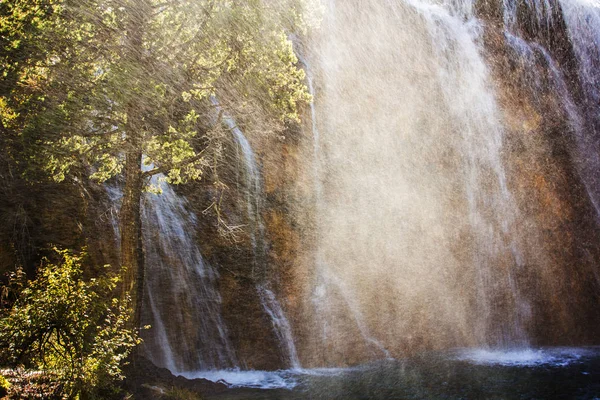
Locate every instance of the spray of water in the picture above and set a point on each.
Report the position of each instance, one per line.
(416, 242)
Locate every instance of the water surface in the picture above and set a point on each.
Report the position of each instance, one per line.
(543, 373)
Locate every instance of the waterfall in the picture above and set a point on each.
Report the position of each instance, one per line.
(417, 239)
(182, 302)
(115, 194)
(254, 199)
(582, 18)
(326, 283)
(472, 104)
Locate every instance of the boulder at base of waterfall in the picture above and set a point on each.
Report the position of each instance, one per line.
(147, 381)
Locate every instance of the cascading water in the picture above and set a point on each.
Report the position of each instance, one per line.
(417, 227)
(582, 19)
(254, 196)
(472, 103)
(328, 285)
(182, 302)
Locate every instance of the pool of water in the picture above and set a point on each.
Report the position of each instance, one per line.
(543, 373)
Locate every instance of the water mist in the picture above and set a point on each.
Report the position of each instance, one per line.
(416, 245)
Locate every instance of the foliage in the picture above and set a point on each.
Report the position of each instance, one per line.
(97, 88)
(23, 48)
(32, 385)
(4, 386)
(4, 383)
(103, 72)
(70, 327)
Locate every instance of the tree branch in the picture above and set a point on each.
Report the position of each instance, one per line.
(165, 168)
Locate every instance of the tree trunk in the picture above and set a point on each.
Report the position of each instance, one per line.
(132, 257)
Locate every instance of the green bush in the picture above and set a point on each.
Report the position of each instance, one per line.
(70, 327)
(4, 386)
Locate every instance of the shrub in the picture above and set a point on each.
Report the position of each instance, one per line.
(70, 327)
(4, 386)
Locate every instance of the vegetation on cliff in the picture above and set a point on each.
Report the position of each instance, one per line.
(129, 83)
(119, 89)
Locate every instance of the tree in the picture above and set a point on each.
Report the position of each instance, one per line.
(71, 327)
(23, 46)
(128, 86)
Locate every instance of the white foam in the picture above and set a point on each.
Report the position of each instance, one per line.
(526, 357)
(249, 379)
(326, 371)
(282, 379)
(289, 379)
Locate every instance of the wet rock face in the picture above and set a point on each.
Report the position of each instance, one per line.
(233, 255)
(560, 234)
(36, 217)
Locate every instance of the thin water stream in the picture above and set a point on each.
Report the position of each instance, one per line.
(183, 303)
(260, 268)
